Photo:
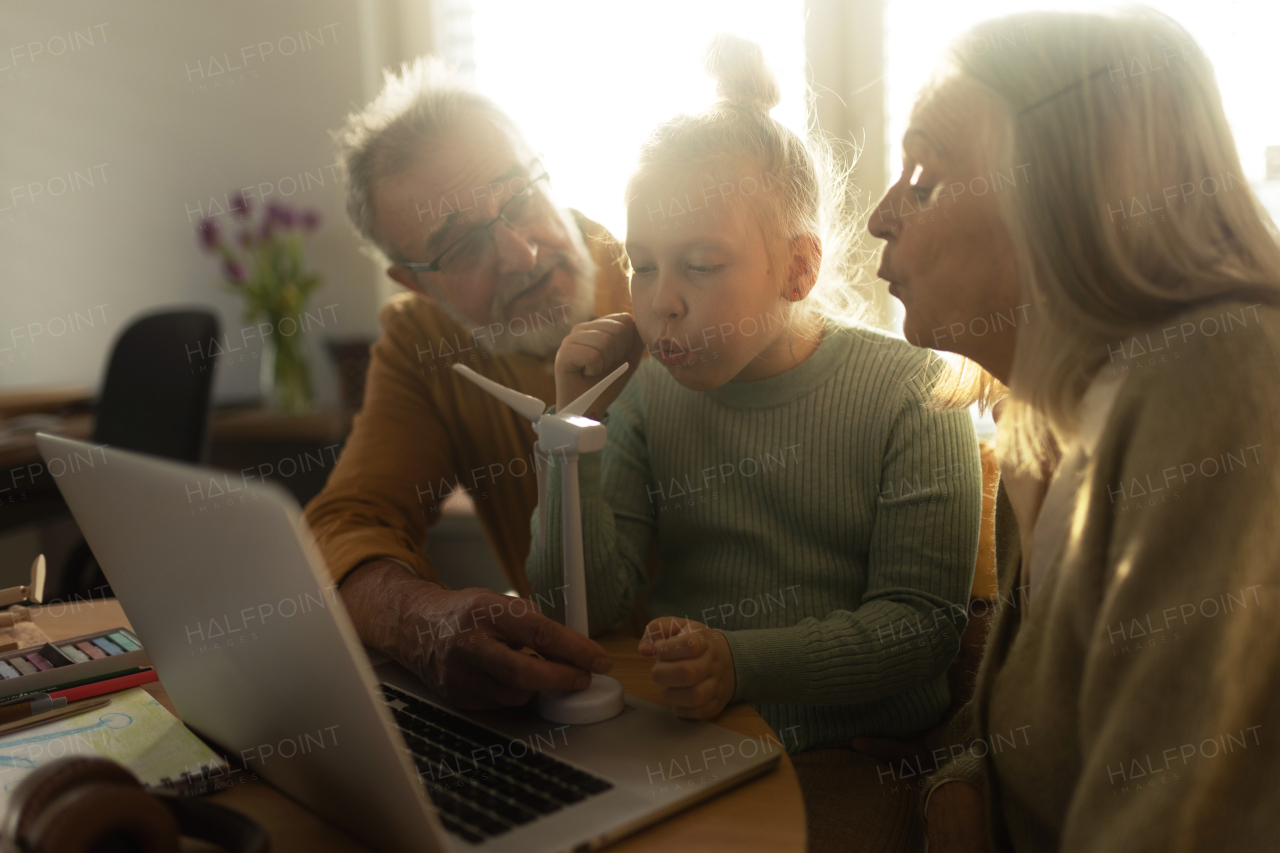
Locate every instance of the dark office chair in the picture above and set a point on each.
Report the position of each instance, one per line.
(155, 399)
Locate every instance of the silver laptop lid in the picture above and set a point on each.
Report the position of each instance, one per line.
(223, 583)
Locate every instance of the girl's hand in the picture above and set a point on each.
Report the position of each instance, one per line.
(591, 352)
(694, 666)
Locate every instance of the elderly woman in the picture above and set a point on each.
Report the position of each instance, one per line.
(1073, 220)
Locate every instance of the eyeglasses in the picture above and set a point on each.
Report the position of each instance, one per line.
(473, 249)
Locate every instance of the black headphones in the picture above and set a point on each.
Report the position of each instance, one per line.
(91, 805)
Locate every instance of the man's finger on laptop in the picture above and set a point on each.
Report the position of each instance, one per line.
(553, 640)
(522, 671)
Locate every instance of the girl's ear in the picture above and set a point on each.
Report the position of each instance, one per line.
(806, 259)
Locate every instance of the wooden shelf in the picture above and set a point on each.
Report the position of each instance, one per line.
(261, 425)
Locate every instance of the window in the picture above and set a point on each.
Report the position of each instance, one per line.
(1236, 35)
(587, 81)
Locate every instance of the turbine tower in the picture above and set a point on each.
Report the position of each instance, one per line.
(568, 434)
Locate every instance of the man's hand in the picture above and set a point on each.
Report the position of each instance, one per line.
(465, 644)
(590, 352)
(694, 666)
(956, 821)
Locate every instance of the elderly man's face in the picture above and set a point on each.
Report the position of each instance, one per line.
(534, 282)
(947, 255)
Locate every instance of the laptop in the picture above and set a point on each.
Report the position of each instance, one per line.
(225, 586)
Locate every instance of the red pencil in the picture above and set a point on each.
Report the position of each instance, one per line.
(98, 688)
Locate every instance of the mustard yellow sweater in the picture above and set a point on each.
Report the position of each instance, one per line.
(425, 432)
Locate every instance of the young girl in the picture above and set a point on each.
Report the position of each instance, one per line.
(815, 524)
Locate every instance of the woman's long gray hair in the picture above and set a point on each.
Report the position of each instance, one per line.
(1135, 208)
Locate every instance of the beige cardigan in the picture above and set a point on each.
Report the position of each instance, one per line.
(1136, 705)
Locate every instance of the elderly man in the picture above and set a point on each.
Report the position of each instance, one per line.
(444, 186)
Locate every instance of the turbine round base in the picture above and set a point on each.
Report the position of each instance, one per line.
(602, 701)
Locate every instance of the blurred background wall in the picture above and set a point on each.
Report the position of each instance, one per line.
(126, 122)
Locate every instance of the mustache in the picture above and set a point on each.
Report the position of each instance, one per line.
(520, 282)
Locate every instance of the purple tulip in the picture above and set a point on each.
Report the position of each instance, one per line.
(210, 234)
(240, 205)
(309, 219)
(234, 272)
(280, 213)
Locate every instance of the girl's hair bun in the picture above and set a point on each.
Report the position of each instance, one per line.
(742, 78)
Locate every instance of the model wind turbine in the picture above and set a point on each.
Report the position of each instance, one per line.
(566, 433)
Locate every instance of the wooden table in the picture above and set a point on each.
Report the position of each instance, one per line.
(765, 814)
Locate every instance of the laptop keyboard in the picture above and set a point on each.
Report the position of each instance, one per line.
(479, 786)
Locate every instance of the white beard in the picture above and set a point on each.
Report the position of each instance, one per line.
(543, 327)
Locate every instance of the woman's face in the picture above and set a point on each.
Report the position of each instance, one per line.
(707, 297)
(947, 256)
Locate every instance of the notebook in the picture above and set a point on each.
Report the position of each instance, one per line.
(134, 730)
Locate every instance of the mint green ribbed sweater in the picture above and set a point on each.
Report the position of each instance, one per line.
(822, 518)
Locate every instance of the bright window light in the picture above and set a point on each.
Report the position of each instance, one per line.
(588, 80)
(1238, 36)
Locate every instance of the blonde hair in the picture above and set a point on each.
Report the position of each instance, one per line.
(801, 190)
(1078, 104)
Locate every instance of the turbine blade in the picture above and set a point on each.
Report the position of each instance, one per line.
(531, 407)
(580, 405)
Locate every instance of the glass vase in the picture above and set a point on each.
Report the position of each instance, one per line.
(284, 376)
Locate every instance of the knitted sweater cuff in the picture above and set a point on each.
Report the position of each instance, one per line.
(968, 765)
(768, 665)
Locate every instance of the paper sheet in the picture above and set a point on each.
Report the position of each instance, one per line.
(134, 730)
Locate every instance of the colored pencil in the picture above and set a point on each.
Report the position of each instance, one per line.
(100, 688)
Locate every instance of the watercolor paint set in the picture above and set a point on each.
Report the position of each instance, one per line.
(67, 663)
